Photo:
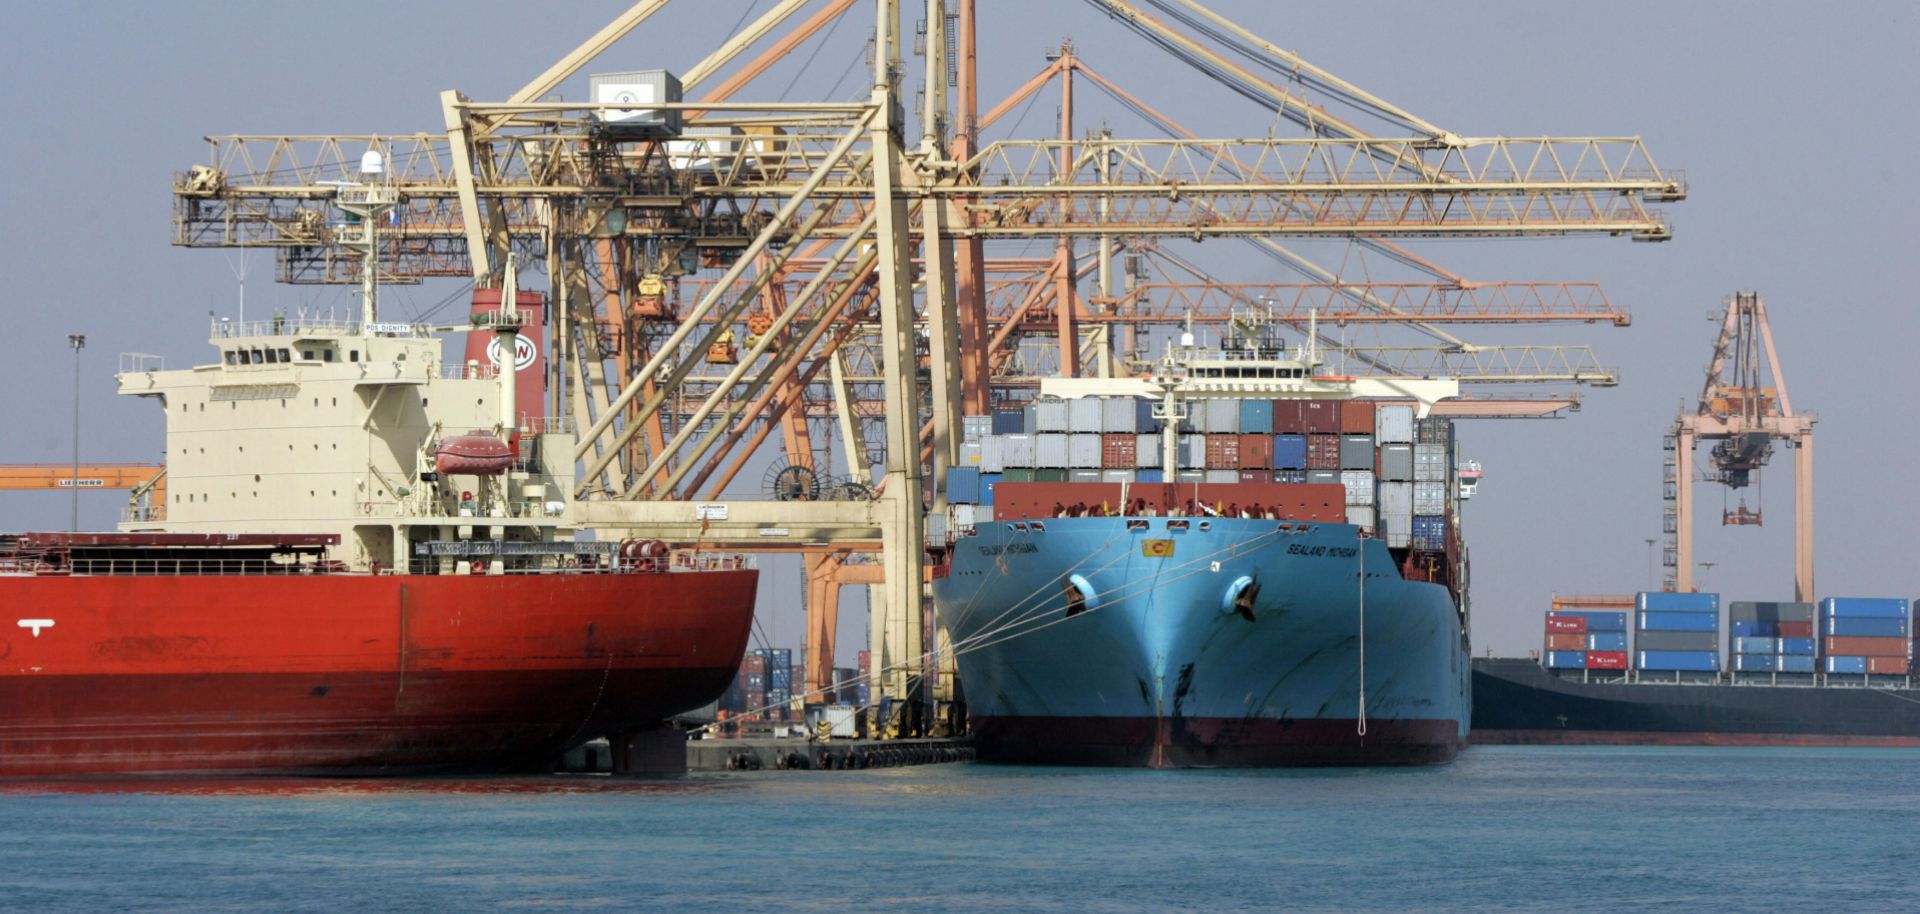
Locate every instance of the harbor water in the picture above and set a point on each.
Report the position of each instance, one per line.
(1503, 829)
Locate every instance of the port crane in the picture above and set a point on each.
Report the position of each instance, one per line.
(800, 264)
(146, 482)
(1743, 409)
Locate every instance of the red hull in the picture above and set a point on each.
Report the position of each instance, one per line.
(1212, 742)
(355, 674)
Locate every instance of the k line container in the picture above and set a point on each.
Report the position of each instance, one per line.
(1083, 415)
(1607, 660)
(1594, 620)
(1560, 624)
(1393, 423)
(1356, 452)
(1256, 475)
(1289, 452)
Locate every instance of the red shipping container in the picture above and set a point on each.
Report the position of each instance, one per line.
(1256, 475)
(1606, 660)
(866, 661)
(1256, 452)
(1356, 417)
(1573, 625)
(1117, 452)
(1796, 629)
(1320, 417)
(1861, 646)
(1223, 452)
(1566, 642)
(1894, 665)
(755, 663)
(1323, 452)
(1287, 418)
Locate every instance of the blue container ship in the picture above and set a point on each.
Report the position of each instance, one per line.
(1178, 619)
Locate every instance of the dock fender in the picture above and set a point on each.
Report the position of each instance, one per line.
(1080, 595)
(1239, 597)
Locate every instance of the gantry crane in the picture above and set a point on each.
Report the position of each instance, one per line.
(1743, 408)
(147, 482)
(849, 256)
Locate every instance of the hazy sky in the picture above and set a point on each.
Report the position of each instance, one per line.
(1782, 116)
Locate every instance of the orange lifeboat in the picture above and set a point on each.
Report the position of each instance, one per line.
(472, 455)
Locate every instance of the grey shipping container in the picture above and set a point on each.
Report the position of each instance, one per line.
(1018, 452)
(1050, 416)
(1217, 476)
(1083, 415)
(1193, 475)
(974, 428)
(970, 454)
(1323, 477)
(1193, 452)
(1770, 612)
(1356, 452)
(1676, 641)
(1360, 516)
(1429, 498)
(1146, 451)
(1083, 450)
(1430, 463)
(1393, 424)
(638, 86)
(1359, 485)
(1116, 475)
(1078, 474)
(1223, 417)
(1117, 415)
(1396, 462)
(993, 454)
(1396, 500)
(1030, 419)
(1397, 529)
(1050, 450)
(1433, 430)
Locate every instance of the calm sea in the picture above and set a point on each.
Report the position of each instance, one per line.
(1504, 829)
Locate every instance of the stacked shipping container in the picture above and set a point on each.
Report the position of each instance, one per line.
(1677, 632)
(1582, 640)
(1770, 637)
(1865, 636)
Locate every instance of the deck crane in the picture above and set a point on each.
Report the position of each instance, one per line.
(1743, 408)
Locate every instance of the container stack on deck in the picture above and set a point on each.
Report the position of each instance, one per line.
(1677, 633)
(1770, 639)
(1586, 640)
(1864, 636)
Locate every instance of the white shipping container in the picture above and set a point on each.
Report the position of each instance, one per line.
(1083, 475)
(1050, 416)
(1050, 451)
(993, 453)
(1393, 424)
(1018, 451)
(1396, 501)
(1083, 416)
(972, 515)
(974, 428)
(1083, 450)
(1192, 476)
(1430, 463)
(970, 453)
(1146, 452)
(1359, 484)
(1360, 516)
(1397, 528)
(1116, 476)
(1223, 476)
(1429, 498)
(1223, 417)
(1117, 414)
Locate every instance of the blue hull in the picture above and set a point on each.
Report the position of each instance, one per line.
(1082, 641)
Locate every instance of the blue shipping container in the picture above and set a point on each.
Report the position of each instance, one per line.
(1143, 421)
(1662, 601)
(987, 482)
(1754, 628)
(1797, 646)
(1291, 477)
(1681, 661)
(1256, 417)
(1605, 641)
(963, 485)
(1149, 476)
(1794, 663)
(1854, 665)
(1430, 534)
(1756, 645)
(1754, 663)
(1678, 622)
(1596, 621)
(1010, 422)
(1566, 660)
(1875, 607)
(1865, 627)
(1289, 452)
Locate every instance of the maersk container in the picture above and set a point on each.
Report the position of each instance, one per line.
(987, 482)
(1752, 628)
(1596, 621)
(1117, 476)
(1083, 450)
(1193, 452)
(1864, 627)
(1796, 646)
(1430, 533)
(1396, 462)
(1359, 486)
(1680, 661)
(1021, 452)
(1256, 417)
(1009, 422)
(1147, 451)
(1795, 663)
(1396, 501)
(1676, 641)
(1223, 416)
(1429, 498)
(1393, 423)
(993, 453)
(1049, 416)
(1356, 452)
(1566, 660)
(1865, 607)
(1290, 477)
(1324, 477)
(1606, 641)
(1755, 663)
(1289, 452)
(1083, 415)
(1430, 463)
(1655, 621)
(971, 453)
(1050, 451)
(1845, 665)
(1149, 476)
(1222, 476)
(1752, 645)
(1082, 474)
(1664, 601)
(1360, 516)
(1117, 415)
(963, 485)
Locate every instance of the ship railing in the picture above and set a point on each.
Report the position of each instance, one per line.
(143, 514)
(183, 567)
(296, 325)
(468, 371)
